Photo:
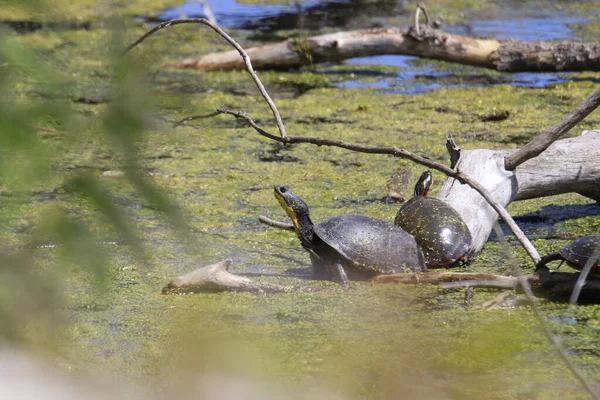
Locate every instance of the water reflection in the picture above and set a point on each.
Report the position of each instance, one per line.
(412, 77)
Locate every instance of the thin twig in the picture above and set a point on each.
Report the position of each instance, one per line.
(542, 141)
(276, 224)
(208, 12)
(185, 120)
(554, 339)
(232, 42)
(421, 7)
(583, 276)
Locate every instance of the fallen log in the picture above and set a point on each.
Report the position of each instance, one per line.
(426, 42)
(568, 165)
(439, 277)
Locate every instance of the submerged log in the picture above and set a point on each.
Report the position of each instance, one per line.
(426, 42)
(561, 283)
(441, 277)
(568, 165)
(217, 278)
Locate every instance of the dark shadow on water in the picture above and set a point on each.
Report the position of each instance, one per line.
(541, 224)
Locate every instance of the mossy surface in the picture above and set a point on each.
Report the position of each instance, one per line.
(369, 341)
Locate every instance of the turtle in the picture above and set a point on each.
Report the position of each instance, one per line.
(576, 254)
(354, 245)
(441, 233)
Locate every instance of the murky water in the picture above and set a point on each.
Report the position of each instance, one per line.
(231, 14)
(412, 77)
(372, 341)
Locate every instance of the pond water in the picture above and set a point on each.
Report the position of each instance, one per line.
(230, 13)
(412, 77)
(370, 341)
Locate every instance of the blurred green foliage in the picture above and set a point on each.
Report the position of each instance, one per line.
(36, 100)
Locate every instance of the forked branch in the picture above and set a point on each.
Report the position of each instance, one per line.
(390, 150)
(235, 45)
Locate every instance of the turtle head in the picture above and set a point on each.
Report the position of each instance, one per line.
(297, 210)
(423, 185)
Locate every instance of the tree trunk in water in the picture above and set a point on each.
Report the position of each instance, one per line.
(427, 42)
(568, 165)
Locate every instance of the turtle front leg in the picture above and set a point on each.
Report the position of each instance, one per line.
(320, 269)
(331, 271)
(541, 266)
(340, 274)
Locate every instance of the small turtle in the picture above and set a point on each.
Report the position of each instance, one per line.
(576, 254)
(360, 246)
(439, 230)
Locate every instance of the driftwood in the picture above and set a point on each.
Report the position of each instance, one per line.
(217, 278)
(426, 42)
(568, 165)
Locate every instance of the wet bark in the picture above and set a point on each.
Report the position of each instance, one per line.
(427, 42)
(568, 165)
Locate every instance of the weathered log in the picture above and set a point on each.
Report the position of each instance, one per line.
(428, 42)
(551, 134)
(568, 165)
(217, 278)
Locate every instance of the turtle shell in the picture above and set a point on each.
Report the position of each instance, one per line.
(370, 246)
(439, 230)
(579, 252)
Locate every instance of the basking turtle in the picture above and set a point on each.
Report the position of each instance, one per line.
(439, 230)
(576, 254)
(360, 246)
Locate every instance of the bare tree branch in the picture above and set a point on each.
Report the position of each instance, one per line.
(402, 153)
(194, 117)
(232, 42)
(542, 141)
(395, 151)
